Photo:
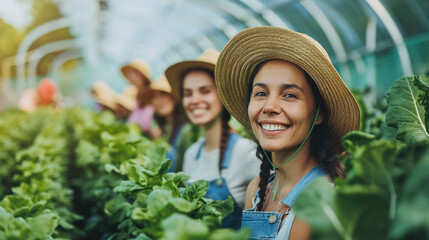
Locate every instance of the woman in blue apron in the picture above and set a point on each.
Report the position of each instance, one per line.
(282, 86)
(222, 157)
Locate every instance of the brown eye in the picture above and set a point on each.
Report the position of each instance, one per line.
(206, 91)
(259, 94)
(186, 93)
(290, 95)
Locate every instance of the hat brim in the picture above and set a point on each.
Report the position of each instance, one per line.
(145, 75)
(149, 95)
(175, 74)
(253, 46)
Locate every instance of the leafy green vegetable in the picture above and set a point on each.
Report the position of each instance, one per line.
(405, 112)
(182, 227)
(412, 221)
(382, 197)
(118, 178)
(422, 83)
(179, 227)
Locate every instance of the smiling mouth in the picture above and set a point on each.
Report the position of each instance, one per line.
(198, 111)
(274, 127)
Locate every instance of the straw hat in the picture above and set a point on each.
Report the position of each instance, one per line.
(160, 84)
(138, 65)
(176, 72)
(105, 95)
(253, 46)
(128, 98)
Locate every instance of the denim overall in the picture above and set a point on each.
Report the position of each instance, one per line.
(218, 189)
(266, 225)
(172, 152)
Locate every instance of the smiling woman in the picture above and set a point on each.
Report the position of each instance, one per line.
(168, 118)
(222, 157)
(282, 86)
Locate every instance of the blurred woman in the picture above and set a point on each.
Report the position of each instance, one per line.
(138, 74)
(221, 156)
(126, 103)
(168, 119)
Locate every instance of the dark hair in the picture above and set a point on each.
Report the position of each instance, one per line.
(225, 116)
(178, 121)
(226, 131)
(321, 146)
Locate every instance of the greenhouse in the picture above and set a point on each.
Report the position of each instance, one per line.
(203, 119)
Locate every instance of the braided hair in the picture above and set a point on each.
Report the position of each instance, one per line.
(178, 121)
(264, 175)
(226, 131)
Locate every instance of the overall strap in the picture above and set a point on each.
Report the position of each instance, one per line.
(314, 173)
(200, 148)
(232, 140)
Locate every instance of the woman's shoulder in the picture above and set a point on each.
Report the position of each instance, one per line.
(195, 146)
(253, 185)
(245, 144)
(252, 188)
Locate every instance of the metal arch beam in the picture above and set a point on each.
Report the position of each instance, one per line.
(8, 95)
(332, 35)
(26, 44)
(371, 70)
(42, 51)
(234, 10)
(267, 14)
(59, 61)
(327, 27)
(394, 33)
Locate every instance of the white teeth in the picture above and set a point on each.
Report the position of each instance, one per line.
(198, 111)
(273, 127)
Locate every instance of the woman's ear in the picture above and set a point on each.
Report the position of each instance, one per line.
(320, 118)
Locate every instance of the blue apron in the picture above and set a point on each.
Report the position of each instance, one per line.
(266, 224)
(218, 189)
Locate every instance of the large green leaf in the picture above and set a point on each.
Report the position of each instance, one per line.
(315, 205)
(405, 113)
(196, 190)
(44, 224)
(422, 83)
(412, 219)
(182, 227)
(157, 202)
(346, 212)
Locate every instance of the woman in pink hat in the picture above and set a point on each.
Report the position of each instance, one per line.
(138, 74)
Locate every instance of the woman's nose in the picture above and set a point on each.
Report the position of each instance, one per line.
(272, 105)
(195, 98)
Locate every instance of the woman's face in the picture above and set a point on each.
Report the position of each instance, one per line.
(200, 98)
(163, 103)
(282, 106)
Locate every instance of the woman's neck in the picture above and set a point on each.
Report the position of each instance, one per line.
(213, 135)
(297, 167)
(170, 119)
